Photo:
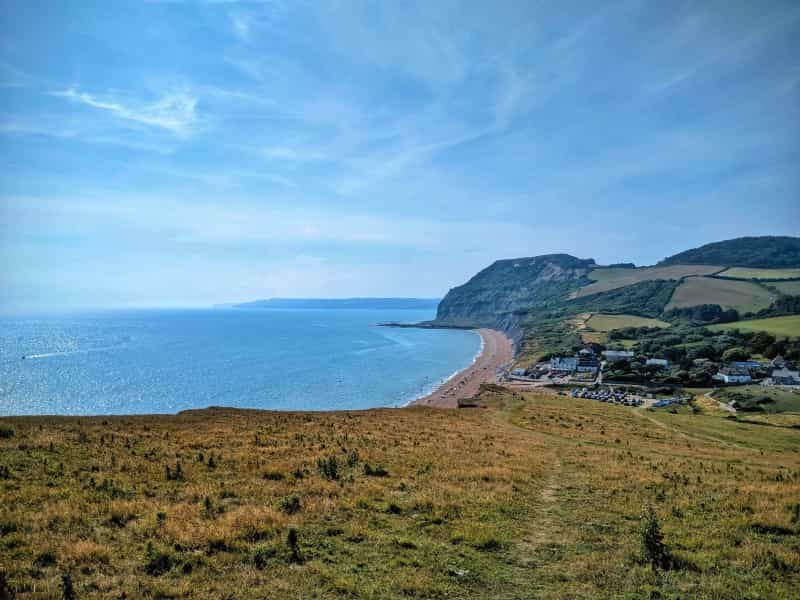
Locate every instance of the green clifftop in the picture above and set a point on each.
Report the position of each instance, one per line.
(770, 252)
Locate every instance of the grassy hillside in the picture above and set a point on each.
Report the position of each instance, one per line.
(606, 323)
(531, 496)
(594, 328)
(790, 288)
(758, 398)
(780, 327)
(767, 252)
(745, 273)
(743, 296)
(605, 279)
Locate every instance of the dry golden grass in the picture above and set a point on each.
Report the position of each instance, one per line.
(529, 496)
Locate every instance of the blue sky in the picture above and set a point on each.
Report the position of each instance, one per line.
(187, 153)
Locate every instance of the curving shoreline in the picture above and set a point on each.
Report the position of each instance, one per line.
(497, 351)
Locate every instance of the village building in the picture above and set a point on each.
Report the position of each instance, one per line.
(662, 363)
(587, 361)
(562, 364)
(748, 365)
(733, 375)
(785, 377)
(617, 355)
(777, 363)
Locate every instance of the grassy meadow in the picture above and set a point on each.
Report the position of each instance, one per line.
(758, 398)
(594, 328)
(780, 327)
(743, 296)
(752, 273)
(530, 495)
(611, 278)
(790, 288)
(606, 323)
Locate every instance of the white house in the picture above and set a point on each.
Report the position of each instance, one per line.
(616, 355)
(728, 375)
(662, 363)
(568, 364)
(587, 361)
(785, 377)
(777, 362)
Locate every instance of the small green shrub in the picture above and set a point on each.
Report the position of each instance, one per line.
(262, 555)
(5, 589)
(67, 588)
(654, 549)
(120, 519)
(290, 504)
(328, 467)
(45, 559)
(158, 562)
(489, 545)
(294, 547)
(208, 508)
(177, 474)
(376, 471)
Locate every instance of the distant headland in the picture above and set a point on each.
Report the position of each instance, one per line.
(342, 303)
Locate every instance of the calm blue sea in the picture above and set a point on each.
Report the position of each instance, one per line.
(164, 361)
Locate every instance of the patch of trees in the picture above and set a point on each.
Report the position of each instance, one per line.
(548, 338)
(646, 299)
(703, 313)
(632, 333)
(784, 305)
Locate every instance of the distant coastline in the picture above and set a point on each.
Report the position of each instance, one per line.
(340, 303)
(425, 325)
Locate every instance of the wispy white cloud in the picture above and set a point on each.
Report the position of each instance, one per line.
(56, 126)
(292, 154)
(241, 23)
(174, 112)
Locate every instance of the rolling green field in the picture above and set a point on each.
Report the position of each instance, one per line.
(790, 288)
(750, 273)
(768, 399)
(743, 296)
(530, 496)
(788, 326)
(606, 279)
(606, 323)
